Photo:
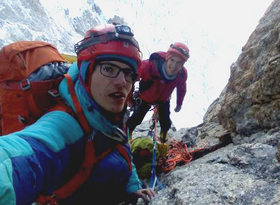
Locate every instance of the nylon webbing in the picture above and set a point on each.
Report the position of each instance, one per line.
(81, 117)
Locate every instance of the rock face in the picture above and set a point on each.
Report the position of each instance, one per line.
(240, 134)
(251, 100)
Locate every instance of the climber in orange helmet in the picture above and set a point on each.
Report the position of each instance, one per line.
(159, 76)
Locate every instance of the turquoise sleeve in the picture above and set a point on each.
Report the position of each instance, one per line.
(134, 183)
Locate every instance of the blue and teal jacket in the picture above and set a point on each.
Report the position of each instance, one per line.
(46, 155)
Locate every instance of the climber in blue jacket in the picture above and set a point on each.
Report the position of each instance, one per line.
(40, 159)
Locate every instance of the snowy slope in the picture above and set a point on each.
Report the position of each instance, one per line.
(62, 24)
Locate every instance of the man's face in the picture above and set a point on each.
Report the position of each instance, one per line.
(174, 65)
(110, 88)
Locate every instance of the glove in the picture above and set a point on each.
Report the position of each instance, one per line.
(177, 109)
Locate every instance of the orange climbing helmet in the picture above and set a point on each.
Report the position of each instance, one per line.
(179, 49)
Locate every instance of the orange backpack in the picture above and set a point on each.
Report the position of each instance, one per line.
(22, 101)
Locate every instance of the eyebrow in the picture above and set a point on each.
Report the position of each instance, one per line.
(123, 68)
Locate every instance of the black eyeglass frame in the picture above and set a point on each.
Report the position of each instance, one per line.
(129, 74)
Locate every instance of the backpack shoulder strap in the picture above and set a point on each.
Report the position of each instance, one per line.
(160, 56)
(80, 115)
(90, 158)
(81, 176)
(124, 154)
(158, 59)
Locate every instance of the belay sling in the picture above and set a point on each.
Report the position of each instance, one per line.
(30, 72)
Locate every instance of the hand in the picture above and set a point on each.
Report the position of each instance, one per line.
(146, 194)
(177, 109)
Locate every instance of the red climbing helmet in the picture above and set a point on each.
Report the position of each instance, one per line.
(179, 49)
(108, 42)
(108, 39)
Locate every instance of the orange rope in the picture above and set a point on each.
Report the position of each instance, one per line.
(178, 154)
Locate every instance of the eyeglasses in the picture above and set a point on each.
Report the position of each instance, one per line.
(181, 50)
(112, 71)
(122, 32)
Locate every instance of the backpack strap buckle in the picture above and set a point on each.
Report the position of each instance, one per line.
(25, 84)
(21, 119)
(46, 200)
(118, 135)
(53, 92)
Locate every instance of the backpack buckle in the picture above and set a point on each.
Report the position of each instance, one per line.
(53, 92)
(21, 119)
(25, 84)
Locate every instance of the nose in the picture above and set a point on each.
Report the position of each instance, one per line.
(173, 65)
(120, 79)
